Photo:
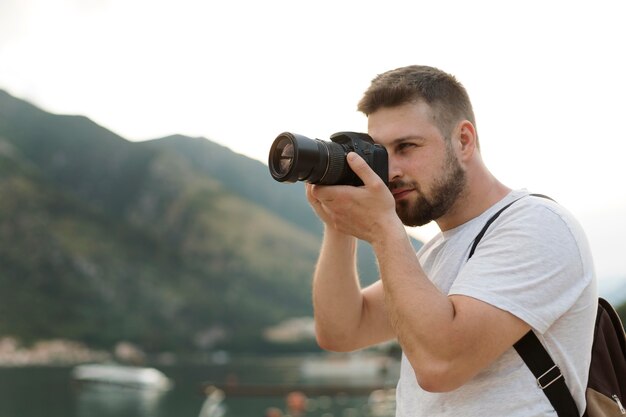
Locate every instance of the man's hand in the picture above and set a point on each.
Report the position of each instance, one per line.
(364, 211)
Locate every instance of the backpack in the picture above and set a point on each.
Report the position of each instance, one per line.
(606, 386)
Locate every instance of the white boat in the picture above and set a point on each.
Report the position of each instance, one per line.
(123, 376)
(348, 366)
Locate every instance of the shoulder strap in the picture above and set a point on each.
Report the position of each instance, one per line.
(547, 373)
(486, 226)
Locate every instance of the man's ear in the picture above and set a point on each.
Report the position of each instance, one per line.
(467, 139)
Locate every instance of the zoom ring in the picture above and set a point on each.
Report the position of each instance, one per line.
(336, 167)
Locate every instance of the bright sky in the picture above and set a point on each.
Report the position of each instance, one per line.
(546, 79)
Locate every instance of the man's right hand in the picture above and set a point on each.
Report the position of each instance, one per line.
(317, 205)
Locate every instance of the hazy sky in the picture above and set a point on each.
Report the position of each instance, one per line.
(546, 79)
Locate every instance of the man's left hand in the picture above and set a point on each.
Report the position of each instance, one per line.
(363, 212)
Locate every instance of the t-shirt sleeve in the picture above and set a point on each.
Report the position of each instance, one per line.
(529, 263)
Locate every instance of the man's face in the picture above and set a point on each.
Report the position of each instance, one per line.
(425, 175)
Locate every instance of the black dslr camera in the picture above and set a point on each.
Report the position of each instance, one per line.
(295, 157)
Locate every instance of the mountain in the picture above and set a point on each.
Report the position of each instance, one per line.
(173, 244)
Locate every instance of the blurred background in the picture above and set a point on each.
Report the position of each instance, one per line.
(139, 224)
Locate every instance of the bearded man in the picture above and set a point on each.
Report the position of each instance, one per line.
(455, 318)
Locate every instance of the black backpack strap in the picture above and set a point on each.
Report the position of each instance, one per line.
(486, 226)
(547, 374)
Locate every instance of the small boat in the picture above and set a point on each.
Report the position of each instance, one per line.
(122, 376)
(353, 366)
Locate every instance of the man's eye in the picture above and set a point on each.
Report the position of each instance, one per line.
(404, 146)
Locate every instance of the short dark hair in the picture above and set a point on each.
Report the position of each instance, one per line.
(447, 97)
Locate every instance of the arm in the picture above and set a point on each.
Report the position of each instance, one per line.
(447, 340)
(346, 317)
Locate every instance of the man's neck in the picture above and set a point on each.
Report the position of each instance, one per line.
(476, 199)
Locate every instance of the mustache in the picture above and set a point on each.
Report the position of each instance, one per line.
(399, 184)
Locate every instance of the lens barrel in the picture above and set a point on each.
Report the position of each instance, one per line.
(295, 157)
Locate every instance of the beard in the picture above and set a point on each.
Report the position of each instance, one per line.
(444, 193)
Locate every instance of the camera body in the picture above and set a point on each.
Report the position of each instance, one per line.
(295, 157)
(375, 156)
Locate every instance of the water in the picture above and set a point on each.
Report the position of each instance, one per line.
(49, 392)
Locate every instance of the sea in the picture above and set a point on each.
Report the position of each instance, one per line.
(50, 391)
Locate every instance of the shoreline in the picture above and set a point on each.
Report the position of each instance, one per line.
(48, 352)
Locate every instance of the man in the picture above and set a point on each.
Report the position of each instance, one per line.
(456, 319)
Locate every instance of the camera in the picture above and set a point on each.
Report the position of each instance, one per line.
(295, 157)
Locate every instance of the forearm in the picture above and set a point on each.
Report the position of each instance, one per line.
(421, 316)
(337, 298)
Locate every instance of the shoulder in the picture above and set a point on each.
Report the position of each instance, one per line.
(523, 214)
(534, 261)
(544, 218)
(542, 227)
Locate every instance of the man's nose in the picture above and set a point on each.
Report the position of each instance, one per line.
(395, 170)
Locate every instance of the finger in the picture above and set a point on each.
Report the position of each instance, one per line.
(362, 169)
(310, 195)
(324, 193)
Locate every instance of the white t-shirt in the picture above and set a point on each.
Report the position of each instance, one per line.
(534, 262)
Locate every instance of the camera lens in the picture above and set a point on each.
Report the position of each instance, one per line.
(295, 157)
(283, 157)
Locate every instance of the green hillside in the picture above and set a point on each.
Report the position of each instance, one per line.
(102, 240)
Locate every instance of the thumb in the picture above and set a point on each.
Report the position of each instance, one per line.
(362, 169)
